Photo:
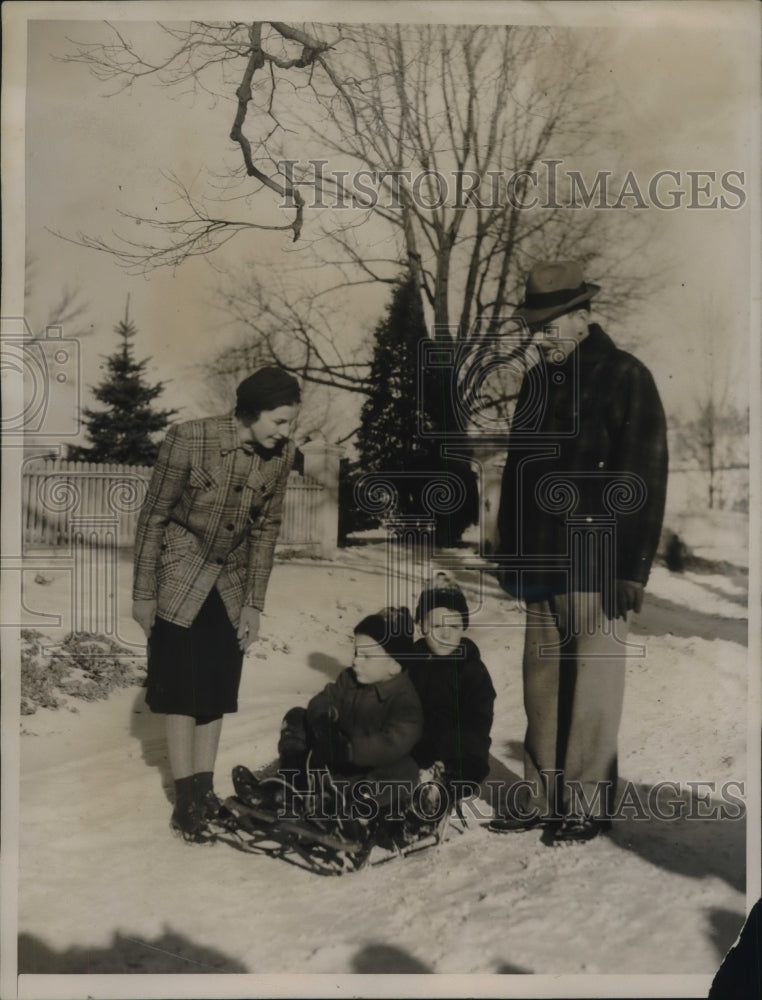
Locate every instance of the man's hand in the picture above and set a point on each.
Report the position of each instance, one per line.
(628, 596)
(144, 613)
(248, 627)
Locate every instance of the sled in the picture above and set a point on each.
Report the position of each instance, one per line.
(304, 842)
(259, 830)
(256, 819)
(432, 835)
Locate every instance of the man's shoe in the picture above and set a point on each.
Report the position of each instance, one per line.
(579, 829)
(514, 824)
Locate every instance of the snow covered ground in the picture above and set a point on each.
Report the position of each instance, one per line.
(105, 889)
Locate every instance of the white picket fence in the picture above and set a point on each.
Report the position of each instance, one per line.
(60, 497)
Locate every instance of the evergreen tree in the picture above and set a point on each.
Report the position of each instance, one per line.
(123, 432)
(389, 438)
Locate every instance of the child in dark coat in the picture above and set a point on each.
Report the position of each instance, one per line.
(362, 726)
(454, 687)
(369, 719)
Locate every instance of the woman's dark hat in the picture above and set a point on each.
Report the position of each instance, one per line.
(443, 593)
(267, 389)
(554, 288)
(392, 629)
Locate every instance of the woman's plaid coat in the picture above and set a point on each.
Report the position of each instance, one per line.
(203, 525)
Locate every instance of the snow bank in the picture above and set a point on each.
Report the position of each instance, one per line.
(104, 888)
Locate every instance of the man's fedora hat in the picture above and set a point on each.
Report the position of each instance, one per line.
(554, 288)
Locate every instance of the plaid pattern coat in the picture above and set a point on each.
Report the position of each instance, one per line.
(211, 517)
(584, 485)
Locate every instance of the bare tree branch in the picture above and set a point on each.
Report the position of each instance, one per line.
(467, 103)
(198, 49)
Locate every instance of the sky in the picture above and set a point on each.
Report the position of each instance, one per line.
(685, 78)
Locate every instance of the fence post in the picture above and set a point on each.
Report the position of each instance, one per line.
(321, 463)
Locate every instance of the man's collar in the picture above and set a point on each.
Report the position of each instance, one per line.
(592, 347)
(596, 343)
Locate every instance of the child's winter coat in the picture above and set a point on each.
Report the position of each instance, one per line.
(457, 698)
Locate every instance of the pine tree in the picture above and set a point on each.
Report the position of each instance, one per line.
(123, 432)
(392, 419)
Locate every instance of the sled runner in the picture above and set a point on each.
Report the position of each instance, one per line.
(263, 831)
(255, 820)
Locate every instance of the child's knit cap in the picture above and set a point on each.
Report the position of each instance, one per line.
(443, 593)
(391, 628)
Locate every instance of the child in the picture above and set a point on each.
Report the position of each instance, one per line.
(453, 685)
(364, 724)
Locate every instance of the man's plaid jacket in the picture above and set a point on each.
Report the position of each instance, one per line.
(211, 517)
(584, 486)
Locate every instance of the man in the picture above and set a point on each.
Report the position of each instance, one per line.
(581, 507)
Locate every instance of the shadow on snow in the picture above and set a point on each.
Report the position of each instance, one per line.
(169, 953)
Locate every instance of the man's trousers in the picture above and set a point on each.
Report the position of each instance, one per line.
(574, 665)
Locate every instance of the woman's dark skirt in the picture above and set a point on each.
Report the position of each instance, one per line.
(197, 670)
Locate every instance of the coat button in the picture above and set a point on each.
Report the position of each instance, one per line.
(219, 560)
(238, 488)
(230, 527)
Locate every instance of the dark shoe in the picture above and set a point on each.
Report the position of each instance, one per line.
(514, 824)
(264, 794)
(188, 824)
(579, 829)
(214, 810)
(247, 785)
(210, 806)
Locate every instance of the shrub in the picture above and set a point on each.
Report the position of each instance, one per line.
(85, 665)
(39, 678)
(676, 554)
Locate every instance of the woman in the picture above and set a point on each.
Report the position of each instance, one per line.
(203, 554)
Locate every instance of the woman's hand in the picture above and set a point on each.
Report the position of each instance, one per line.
(248, 627)
(144, 613)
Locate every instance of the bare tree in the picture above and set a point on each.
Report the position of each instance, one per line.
(715, 437)
(248, 61)
(488, 111)
(67, 310)
(295, 331)
(486, 107)
(485, 112)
